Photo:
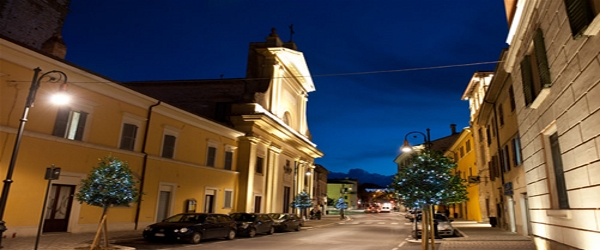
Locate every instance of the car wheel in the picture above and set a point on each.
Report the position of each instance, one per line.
(196, 238)
(231, 235)
(252, 232)
(272, 230)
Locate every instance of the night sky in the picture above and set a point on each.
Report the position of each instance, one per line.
(381, 68)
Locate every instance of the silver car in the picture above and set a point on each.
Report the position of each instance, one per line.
(444, 226)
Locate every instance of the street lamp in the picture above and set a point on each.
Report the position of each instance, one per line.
(406, 146)
(53, 76)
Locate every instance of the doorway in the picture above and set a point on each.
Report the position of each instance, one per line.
(57, 212)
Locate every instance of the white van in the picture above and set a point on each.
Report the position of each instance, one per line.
(386, 208)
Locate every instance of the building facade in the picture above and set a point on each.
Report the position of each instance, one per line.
(554, 66)
(463, 153)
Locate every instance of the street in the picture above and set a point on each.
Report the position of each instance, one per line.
(384, 231)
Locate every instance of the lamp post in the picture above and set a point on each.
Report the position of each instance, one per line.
(52, 76)
(406, 146)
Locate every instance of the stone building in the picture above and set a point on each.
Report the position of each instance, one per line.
(553, 62)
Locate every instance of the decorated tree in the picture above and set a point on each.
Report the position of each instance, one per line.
(302, 201)
(426, 181)
(108, 184)
(341, 205)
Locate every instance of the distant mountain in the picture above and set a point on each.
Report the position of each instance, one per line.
(363, 177)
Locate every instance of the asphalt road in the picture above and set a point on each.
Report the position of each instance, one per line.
(385, 231)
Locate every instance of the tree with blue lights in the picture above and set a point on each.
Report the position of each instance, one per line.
(302, 201)
(428, 180)
(108, 184)
(341, 205)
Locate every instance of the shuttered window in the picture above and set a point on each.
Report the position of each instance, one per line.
(535, 73)
(128, 136)
(70, 124)
(559, 173)
(168, 146)
(228, 160)
(580, 14)
(210, 156)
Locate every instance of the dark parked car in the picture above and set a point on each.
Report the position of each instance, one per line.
(286, 222)
(250, 224)
(192, 228)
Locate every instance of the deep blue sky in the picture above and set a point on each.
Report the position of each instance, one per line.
(357, 120)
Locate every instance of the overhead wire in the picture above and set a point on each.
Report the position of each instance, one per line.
(322, 75)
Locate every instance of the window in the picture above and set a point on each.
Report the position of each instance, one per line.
(286, 199)
(581, 15)
(505, 159)
(535, 72)
(168, 150)
(468, 146)
(559, 175)
(128, 136)
(70, 124)
(210, 156)
(480, 132)
(228, 202)
(489, 136)
(511, 96)
(517, 158)
(462, 152)
(501, 115)
(228, 160)
(259, 165)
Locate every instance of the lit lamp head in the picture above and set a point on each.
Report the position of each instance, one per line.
(307, 173)
(406, 147)
(61, 97)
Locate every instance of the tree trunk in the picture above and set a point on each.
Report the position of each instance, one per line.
(102, 229)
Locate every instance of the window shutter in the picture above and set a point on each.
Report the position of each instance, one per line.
(62, 119)
(228, 160)
(527, 79)
(128, 136)
(212, 152)
(80, 126)
(168, 146)
(580, 16)
(541, 58)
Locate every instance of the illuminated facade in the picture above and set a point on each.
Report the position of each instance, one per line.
(112, 120)
(554, 65)
(343, 188)
(463, 153)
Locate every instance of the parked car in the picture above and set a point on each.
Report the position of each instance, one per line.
(250, 224)
(192, 228)
(410, 215)
(286, 222)
(444, 226)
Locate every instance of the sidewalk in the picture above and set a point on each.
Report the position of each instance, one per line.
(483, 236)
(72, 241)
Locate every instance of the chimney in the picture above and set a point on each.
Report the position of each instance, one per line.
(55, 46)
(453, 128)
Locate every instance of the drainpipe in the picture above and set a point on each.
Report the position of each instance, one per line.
(144, 163)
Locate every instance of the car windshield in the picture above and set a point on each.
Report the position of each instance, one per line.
(243, 217)
(279, 216)
(196, 218)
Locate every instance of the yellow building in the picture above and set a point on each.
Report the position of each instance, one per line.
(161, 143)
(343, 188)
(463, 153)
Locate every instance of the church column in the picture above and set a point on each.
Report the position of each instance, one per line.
(272, 180)
(247, 168)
